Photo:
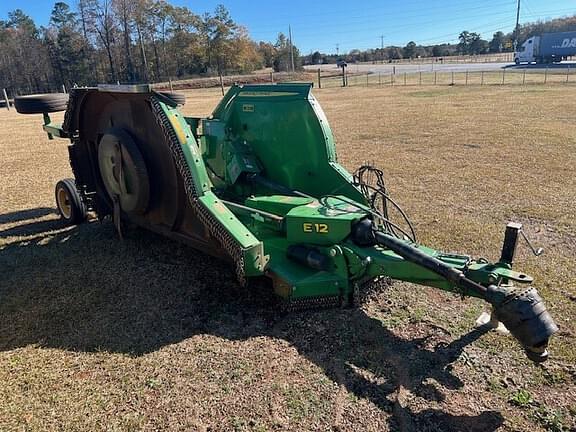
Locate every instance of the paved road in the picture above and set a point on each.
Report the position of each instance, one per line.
(438, 67)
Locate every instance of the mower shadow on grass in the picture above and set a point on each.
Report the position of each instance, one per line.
(32, 228)
(83, 290)
(27, 214)
(26, 223)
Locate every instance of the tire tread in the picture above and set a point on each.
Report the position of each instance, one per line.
(41, 103)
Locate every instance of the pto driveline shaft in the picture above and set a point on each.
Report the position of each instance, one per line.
(412, 254)
(364, 234)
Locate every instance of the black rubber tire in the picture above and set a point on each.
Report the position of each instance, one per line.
(77, 212)
(41, 103)
(178, 98)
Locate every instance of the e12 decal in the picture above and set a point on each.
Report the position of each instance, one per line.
(319, 228)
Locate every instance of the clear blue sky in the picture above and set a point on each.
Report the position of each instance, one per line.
(321, 24)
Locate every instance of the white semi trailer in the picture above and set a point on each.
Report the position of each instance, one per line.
(547, 48)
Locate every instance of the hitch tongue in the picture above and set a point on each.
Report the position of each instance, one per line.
(522, 311)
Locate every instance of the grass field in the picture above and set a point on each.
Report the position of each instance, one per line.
(146, 334)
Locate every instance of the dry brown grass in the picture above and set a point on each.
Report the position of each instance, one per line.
(147, 334)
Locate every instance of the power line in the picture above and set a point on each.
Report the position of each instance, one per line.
(527, 8)
(347, 13)
(463, 16)
(507, 22)
(422, 12)
(503, 22)
(500, 25)
(397, 29)
(464, 23)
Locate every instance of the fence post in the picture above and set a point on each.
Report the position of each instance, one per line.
(503, 75)
(452, 78)
(482, 78)
(6, 99)
(169, 83)
(319, 79)
(524, 77)
(435, 73)
(221, 82)
(466, 77)
(567, 73)
(367, 75)
(391, 79)
(272, 76)
(380, 78)
(546, 75)
(420, 78)
(404, 78)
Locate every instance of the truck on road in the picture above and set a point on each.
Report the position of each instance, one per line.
(547, 48)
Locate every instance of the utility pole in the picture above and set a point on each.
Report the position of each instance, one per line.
(382, 47)
(337, 49)
(516, 29)
(291, 48)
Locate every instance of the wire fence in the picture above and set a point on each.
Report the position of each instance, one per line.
(460, 78)
(335, 79)
(507, 57)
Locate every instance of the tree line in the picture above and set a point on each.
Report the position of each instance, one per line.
(470, 43)
(131, 41)
(128, 41)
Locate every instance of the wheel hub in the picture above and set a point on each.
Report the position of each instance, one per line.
(123, 171)
(64, 203)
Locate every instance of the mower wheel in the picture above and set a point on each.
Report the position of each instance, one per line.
(178, 98)
(41, 103)
(70, 205)
(123, 171)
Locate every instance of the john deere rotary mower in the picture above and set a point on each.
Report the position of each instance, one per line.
(258, 183)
